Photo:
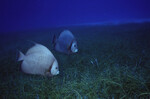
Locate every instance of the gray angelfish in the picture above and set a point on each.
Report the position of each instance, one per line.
(39, 60)
(65, 43)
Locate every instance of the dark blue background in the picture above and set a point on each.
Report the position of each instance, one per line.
(18, 15)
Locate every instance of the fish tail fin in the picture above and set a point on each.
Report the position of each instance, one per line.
(54, 40)
(21, 56)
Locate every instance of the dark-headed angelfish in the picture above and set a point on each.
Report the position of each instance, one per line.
(65, 43)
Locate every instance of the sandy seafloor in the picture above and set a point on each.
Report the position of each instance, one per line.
(113, 62)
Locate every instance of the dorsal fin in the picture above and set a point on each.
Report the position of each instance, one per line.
(54, 41)
(32, 41)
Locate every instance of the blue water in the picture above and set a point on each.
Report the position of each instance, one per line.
(34, 14)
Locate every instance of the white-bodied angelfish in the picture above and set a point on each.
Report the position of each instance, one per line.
(39, 60)
(65, 43)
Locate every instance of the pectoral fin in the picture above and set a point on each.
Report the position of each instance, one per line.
(48, 74)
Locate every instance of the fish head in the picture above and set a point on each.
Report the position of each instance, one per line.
(54, 69)
(74, 47)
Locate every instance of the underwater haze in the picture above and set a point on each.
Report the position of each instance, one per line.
(113, 58)
(38, 14)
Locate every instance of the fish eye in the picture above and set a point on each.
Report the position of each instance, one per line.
(75, 45)
(56, 68)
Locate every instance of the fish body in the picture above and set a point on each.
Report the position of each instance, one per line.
(39, 60)
(65, 43)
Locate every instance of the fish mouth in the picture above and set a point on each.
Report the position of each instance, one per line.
(57, 73)
(76, 50)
